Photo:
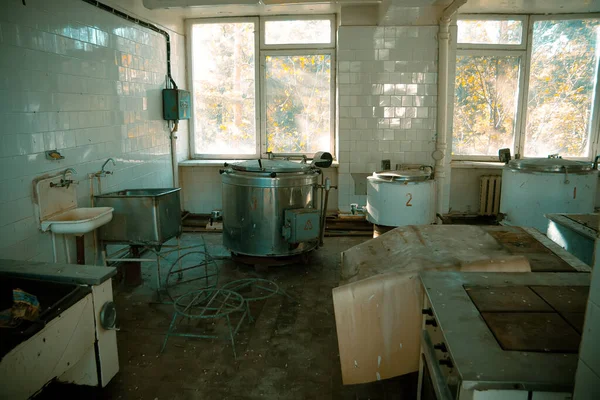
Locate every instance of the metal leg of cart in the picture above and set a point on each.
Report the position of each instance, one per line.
(158, 255)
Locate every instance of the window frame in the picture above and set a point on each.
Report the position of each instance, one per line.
(261, 51)
(525, 49)
(190, 59)
(263, 91)
(495, 17)
(330, 45)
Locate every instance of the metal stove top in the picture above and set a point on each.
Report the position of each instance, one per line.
(510, 330)
(532, 318)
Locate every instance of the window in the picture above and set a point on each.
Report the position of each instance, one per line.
(490, 31)
(534, 94)
(262, 85)
(224, 81)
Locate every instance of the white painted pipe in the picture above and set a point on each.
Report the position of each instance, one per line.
(174, 163)
(442, 119)
(67, 255)
(54, 255)
(93, 202)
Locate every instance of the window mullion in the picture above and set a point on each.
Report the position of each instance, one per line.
(595, 122)
(262, 103)
(521, 125)
(258, 89)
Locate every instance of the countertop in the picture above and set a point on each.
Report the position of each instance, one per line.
(584, 224)
(68, 273)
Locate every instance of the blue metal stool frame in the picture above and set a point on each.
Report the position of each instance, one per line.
(208, 304)
(265, 287)
(207, 261)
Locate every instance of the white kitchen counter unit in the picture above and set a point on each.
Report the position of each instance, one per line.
(70, 341)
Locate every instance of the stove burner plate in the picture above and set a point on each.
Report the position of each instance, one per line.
(512, 298)
(564, 299)
(575, 319)
(533, 331)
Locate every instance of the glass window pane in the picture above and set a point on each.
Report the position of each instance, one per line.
(224, 88)
(490, 32)
(298, 31)
(485, 104)
(298, 103)
(564, 59)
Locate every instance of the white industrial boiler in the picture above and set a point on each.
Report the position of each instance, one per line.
(402, 197)
(537, 186)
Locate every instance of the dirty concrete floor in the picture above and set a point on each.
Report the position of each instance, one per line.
(289, 352)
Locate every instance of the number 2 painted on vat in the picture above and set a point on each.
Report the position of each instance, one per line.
(409, 195)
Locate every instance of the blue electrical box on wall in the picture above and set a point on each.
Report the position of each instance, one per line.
(176, 104)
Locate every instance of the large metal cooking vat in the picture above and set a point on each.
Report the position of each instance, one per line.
(404, 197)
(537, 186)
(141, 216)
(269, 208)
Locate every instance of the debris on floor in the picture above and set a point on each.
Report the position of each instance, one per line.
(288, 351)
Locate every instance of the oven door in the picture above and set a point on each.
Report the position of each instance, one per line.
(432, 383)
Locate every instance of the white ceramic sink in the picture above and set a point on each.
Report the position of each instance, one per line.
(78, 220)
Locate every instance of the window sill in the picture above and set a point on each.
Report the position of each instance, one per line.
(477, 164)
(206, 163)
(221, 163)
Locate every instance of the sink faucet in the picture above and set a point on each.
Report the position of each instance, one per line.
(64, 182)
(66, 171)
(103, 172)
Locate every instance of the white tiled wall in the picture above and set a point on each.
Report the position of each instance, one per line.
(387, 81)
(85, 82)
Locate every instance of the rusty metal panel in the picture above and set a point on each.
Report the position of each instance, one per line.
(541, 262)
(512, 299)
(517, 241)
(589, 220)
(541, 332)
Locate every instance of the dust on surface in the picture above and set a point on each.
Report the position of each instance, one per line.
(289, 352)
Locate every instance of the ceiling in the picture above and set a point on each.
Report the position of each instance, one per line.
(224, 8)
(530, 6)
(220, 8)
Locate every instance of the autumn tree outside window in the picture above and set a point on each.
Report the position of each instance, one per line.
(526, 83)
(262, 84)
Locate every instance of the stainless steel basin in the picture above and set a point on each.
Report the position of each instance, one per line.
(141, 216)
(140, 192)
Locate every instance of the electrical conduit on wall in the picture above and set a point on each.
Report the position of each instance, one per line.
(173, 138)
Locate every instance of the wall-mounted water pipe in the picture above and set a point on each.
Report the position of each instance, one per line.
(170, 80)
(442, 112)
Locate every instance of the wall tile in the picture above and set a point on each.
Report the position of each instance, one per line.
(399, 71)
(61, 89)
